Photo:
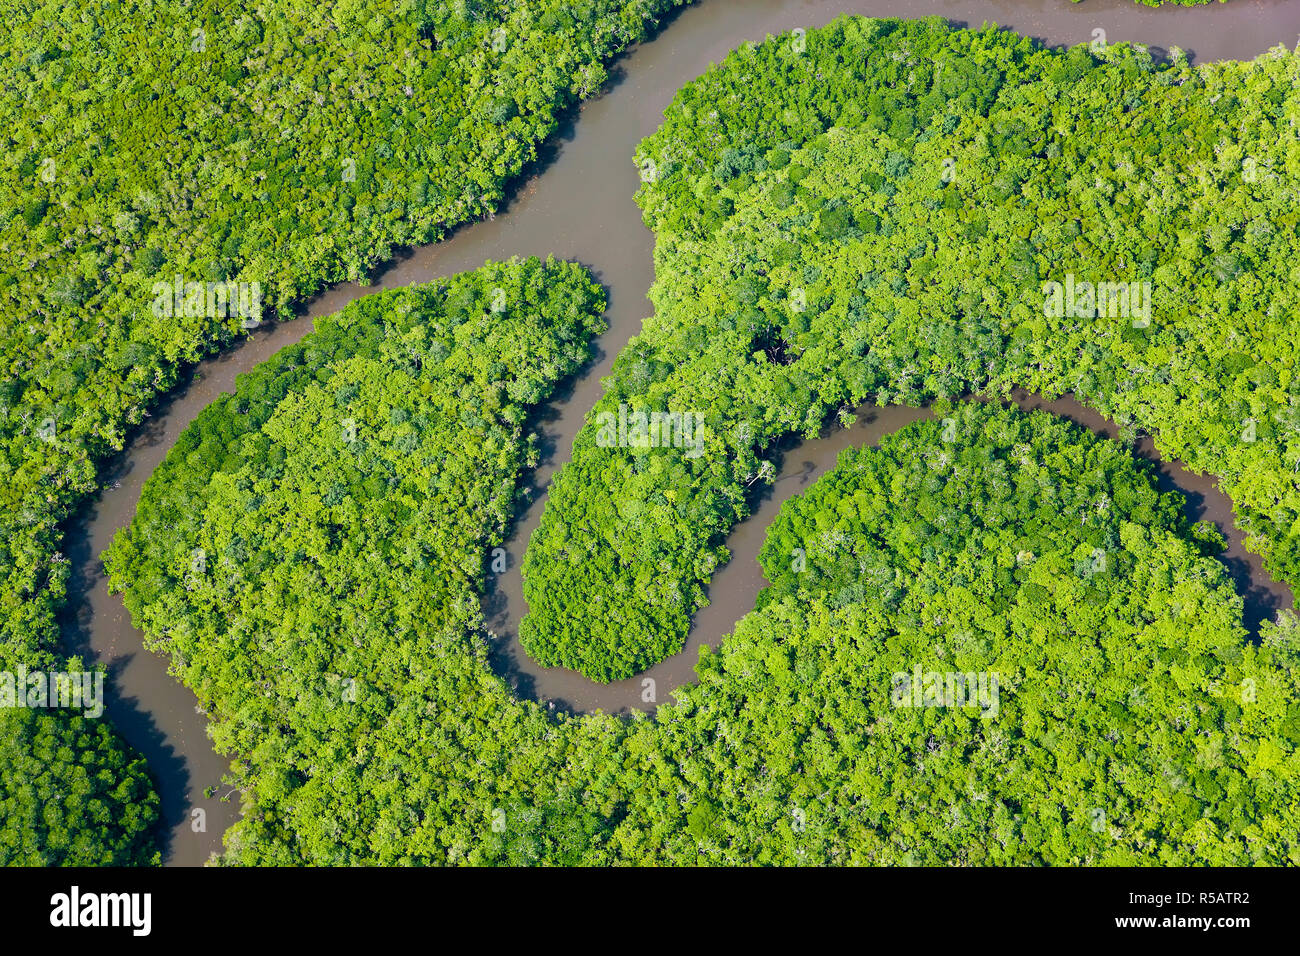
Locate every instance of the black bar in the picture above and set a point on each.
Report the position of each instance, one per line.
(215, 907)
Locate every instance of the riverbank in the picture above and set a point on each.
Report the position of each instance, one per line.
(577, 205)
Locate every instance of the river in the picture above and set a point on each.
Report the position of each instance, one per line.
(576, 203)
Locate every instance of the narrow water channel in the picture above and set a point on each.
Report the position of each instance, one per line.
(577, 204)
(735, 586)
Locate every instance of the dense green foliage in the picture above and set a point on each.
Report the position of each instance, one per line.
(872, 212)
(295, 145)
(1134, 724)
(309, 552)
(71, 794)
(292, 144)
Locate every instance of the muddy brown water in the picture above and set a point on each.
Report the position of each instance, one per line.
(735, 585)
(577, 203)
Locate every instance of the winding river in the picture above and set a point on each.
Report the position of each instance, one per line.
(576, 203)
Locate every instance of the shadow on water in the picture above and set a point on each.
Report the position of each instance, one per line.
(734, 587)
(1262, 596)
(573, 201)
(132, 716)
